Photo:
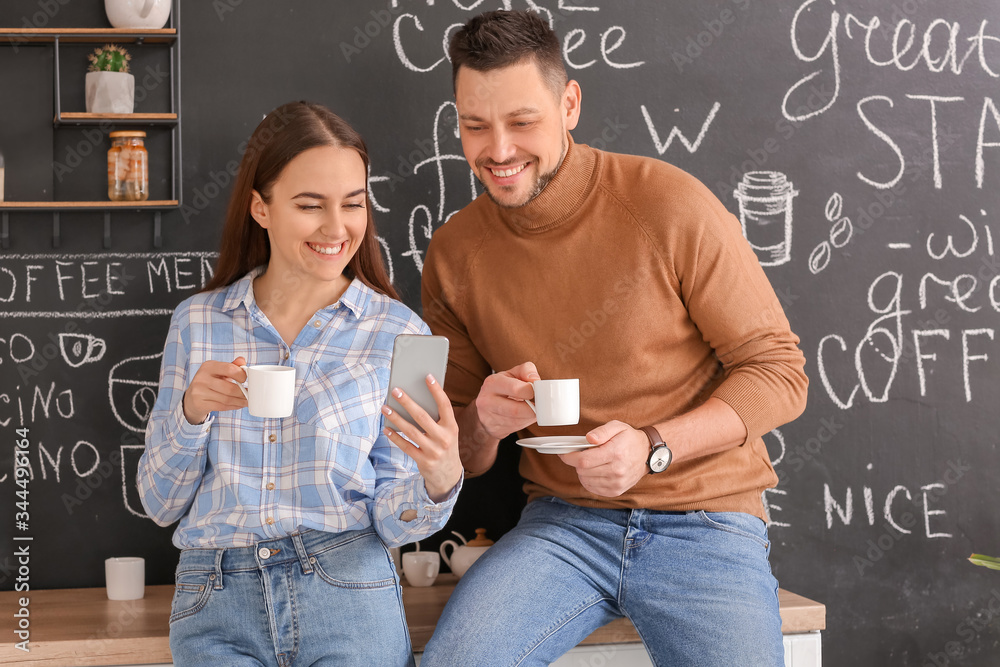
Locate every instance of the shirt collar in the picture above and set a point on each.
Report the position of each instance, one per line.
(241, 291)
(355, 298)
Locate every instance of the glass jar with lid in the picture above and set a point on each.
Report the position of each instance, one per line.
(128, 167)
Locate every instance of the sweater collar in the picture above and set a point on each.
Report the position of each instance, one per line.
(563, 195)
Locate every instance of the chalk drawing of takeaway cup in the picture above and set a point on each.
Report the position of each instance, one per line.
(80, 349)
(765, 199)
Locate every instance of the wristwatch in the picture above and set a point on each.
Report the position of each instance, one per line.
(659, 454)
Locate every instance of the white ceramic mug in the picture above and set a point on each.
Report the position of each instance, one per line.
(270, 390)
(125, 578)
(421, 567)
(557, 402)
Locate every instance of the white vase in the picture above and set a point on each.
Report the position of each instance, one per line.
(110, 92)
(138, 14)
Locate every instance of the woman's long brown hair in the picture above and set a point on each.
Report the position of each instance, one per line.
(286, 132)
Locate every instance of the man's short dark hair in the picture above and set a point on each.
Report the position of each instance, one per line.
(494, 40)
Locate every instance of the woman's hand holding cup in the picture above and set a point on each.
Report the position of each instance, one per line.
(436, 451)
(213, 389)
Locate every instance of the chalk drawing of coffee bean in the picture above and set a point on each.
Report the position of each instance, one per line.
(819, 257)
(142, 402)
(840, 233)
(834, 206)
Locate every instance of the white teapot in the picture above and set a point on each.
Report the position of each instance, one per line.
(464, 555)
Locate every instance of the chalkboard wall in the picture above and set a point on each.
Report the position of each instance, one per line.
(878, 131)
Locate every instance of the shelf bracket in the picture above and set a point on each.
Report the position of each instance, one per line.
(55, 229)
(157, 232)
(5, 230)
(107, 229)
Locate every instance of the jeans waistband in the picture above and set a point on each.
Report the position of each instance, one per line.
(299, 547)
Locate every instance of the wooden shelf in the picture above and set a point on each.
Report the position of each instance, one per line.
(80, 205)
(54, 38)
(79, 115)
(81, 118)
(87, 35)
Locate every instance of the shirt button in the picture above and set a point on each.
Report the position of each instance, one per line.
(317, 324)
(286, 355)
(270, 486)
(264, 553)
(270, 521)
(273, 437)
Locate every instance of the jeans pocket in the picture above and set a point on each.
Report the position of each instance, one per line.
(191, 593)
(736, 523)
(360, 562)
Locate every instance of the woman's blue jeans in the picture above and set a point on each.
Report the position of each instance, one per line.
(309, 599)
(697, 586)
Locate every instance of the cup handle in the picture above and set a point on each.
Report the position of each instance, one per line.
(444, 556)
(99, 342)
(531, 405)
(243, 385)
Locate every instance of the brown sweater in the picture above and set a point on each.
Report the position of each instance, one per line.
(627, 273)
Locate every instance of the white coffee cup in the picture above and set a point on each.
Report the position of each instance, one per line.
(557, 402)
(270, 390)
(421, 567)
(125, 578)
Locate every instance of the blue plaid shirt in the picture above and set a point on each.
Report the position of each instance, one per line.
(238, 479)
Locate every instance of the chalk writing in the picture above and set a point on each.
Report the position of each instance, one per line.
(675, 132)
(903, 40)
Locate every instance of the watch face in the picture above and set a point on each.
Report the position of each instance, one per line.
(659, 459)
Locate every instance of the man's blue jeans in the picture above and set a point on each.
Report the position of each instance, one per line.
(696, 585)
(310, 599)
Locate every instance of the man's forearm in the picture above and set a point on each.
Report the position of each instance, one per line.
(710, 428)
(476, 447)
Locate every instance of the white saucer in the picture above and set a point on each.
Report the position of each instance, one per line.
(556, 444)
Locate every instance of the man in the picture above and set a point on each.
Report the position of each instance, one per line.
(629, 274)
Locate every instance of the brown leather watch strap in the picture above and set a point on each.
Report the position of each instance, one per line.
(657, 448)
(654, 437)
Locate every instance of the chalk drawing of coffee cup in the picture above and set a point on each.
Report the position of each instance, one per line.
(130, 492)
(765, 199)
(132, 390)
(80, 349)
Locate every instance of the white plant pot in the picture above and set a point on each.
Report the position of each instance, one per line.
(110, 92)
(139, 14)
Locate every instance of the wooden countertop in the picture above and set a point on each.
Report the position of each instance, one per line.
(80, 626)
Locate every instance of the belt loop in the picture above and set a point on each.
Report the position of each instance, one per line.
(218, 568)
(300, 551)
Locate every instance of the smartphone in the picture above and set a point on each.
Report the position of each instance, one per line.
(413, 358)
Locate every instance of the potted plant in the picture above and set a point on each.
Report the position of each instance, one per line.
(985, 561)
(138, 14)
(110, 87)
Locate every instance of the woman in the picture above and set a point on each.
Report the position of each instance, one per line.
(284, 522)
